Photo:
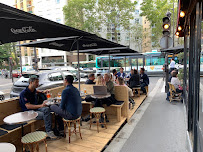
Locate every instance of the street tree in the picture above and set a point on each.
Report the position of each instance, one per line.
(81, 14)
(155, 10)
(6, 51)
(115, 15)
(138, 37)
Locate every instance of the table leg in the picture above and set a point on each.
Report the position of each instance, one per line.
(22, 134)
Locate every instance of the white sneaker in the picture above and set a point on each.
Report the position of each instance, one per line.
(51, 135)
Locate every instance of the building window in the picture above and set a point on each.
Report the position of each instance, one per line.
(119, 38)
(99, 29)
(137, 12)
(57, 1)
(145, 29)
(127, 38)
(113, 39)
(58, 20)
(145, 21)
(137, 20)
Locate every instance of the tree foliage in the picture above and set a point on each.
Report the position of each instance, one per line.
(81, 14)
(91, 15)
(116, 14)
(155, 10)
(6, 51)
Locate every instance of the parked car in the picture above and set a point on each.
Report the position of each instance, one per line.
(47, 80)
(16, 74)
(68, 68)
(2, 96)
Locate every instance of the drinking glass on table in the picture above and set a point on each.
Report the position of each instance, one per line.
(85, 91)
(59, 95)
(48, 95)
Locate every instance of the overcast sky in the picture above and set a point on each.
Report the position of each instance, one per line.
(7, 2)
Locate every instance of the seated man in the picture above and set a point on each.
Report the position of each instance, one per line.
(121, 73)
(144, 80)
(90, 79)
(70, 106)
(28, 101)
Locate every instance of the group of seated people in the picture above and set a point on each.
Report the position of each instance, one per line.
(69, 108)
(133, 80)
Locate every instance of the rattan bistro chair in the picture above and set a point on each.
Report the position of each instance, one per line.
(173, 94)
(32, 139)
(68, 123)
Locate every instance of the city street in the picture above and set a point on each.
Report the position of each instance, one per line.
(5, 86)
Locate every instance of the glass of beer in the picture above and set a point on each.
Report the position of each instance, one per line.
(59, 95)
(85, 91)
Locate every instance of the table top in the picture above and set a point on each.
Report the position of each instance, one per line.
(20, 117)
(7, 147)
(102, 96)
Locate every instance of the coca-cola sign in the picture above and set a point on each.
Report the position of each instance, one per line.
(56, 44)
(27, 29)
(89, 45)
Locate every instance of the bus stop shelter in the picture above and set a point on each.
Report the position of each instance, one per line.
(173, 51)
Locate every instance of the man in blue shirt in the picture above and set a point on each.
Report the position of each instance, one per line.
(121, 73)
(70, 106)
(28, 101)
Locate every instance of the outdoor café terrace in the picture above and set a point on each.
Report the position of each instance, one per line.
(17, 25)
(92, 140)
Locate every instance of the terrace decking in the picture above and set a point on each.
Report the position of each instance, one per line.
(92, 140)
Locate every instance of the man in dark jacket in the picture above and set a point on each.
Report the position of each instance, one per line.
(70, 106)
(91, 78)
(144, 79)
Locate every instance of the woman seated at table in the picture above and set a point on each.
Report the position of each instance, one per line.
(110, 89)
(176, 82)
(100, 81)
(134, 80)
(120, 82)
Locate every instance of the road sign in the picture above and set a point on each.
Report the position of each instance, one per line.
(166, 42)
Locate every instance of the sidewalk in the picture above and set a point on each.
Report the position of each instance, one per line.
(157, 126)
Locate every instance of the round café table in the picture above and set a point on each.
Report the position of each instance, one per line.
(20, 118)
(7, 147)
(100, 96)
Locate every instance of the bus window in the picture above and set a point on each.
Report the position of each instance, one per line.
(148, 62)
(158, 61)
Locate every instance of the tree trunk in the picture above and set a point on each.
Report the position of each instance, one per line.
(15, 53)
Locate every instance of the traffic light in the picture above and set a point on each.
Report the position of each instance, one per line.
(166, 26)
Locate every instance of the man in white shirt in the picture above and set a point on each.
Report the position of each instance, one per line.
(172, 65)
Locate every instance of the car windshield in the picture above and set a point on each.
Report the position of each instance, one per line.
(28, 75)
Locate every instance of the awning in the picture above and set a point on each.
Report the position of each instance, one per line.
(17, 25)
(174, 50)
(86, 44)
